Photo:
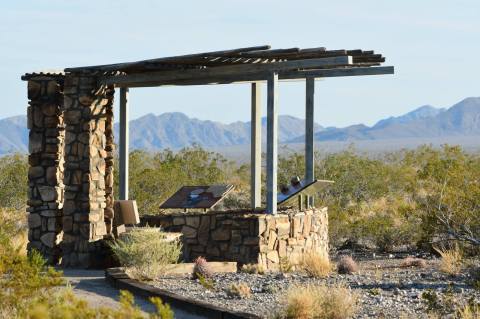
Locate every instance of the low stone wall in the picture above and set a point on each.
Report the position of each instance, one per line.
(248, 238)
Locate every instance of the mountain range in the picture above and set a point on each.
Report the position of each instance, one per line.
(175, 130)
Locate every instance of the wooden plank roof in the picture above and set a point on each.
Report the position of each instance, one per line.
(241, 56)
(248, 64)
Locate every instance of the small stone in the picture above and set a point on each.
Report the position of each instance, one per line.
(193, 221)
(49, 109)
(35, 172)
(49, 193)
(34, 220)
(34, 89)
(50, 239)
(35, 144)
(273, 256)
(189, 232)
(221, 234)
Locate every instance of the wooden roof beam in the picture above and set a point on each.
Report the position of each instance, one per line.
(254, 77)
(119, 66)
(229, 70)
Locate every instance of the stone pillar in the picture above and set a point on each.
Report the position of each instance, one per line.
(87, 106)
(45, 175)
(110, 149)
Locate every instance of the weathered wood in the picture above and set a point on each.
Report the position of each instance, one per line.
(123, 147)
(257, 77)
(309, 130)
(272, 142)
(120, 66)
(214, 266)
(230, 70)
(256, 147)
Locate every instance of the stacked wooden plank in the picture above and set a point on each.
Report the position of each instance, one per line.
(241, 56)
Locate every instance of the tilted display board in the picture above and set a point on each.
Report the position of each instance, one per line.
(206, 196)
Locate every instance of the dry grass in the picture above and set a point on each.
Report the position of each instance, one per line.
(253, 269)
(240, 290)
(469, 312)
(346, 265)
(319, 301)
(316, 265)
(413, 262)
(452, 260)
(16, 224)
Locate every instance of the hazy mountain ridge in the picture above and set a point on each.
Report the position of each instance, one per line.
(462, 119)
(176, 130)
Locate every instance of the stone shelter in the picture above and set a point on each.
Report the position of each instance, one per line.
(71, 153)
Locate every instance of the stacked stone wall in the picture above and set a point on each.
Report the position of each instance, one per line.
(249, 238)
(87, 118)
(45, 174)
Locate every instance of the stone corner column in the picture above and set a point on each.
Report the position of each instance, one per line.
(88, 166)
(45, 174)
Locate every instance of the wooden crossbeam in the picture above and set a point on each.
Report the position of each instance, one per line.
(120, 66)
(228, 71)
(155, 79)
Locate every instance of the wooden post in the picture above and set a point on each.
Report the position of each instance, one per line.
(272, 142)
(309, 130)
(123, 149)
(256, 147)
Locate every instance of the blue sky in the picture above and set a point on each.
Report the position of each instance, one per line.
(434, 46)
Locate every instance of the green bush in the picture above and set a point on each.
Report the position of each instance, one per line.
(13, 181)
(145, 252)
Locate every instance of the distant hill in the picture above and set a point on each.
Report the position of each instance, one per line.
(462, 119)
(176, 130)
(13, 135)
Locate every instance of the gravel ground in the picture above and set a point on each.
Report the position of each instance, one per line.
(385, 289)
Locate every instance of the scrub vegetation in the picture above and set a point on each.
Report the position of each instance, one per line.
(418, 199)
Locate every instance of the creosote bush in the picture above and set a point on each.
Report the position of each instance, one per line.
(145, 252)
(316, 265)
(31, 289)
(319, 301)
(346, 265)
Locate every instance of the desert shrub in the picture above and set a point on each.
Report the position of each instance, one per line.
(13, 181)
(473, 272)
(319, 301)
(413, 262)
(346, 265)
(145, 252)
(207, 283)
(64, 304)
(285, 266)
(451, 261)
(202, 268)
(447, 194)
(240, 290)
(156, 176)
(31, 289)
(469, 312)
(316, 265)
(253, 269)
(449, 305)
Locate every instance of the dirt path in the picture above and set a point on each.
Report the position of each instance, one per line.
(91, 286)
